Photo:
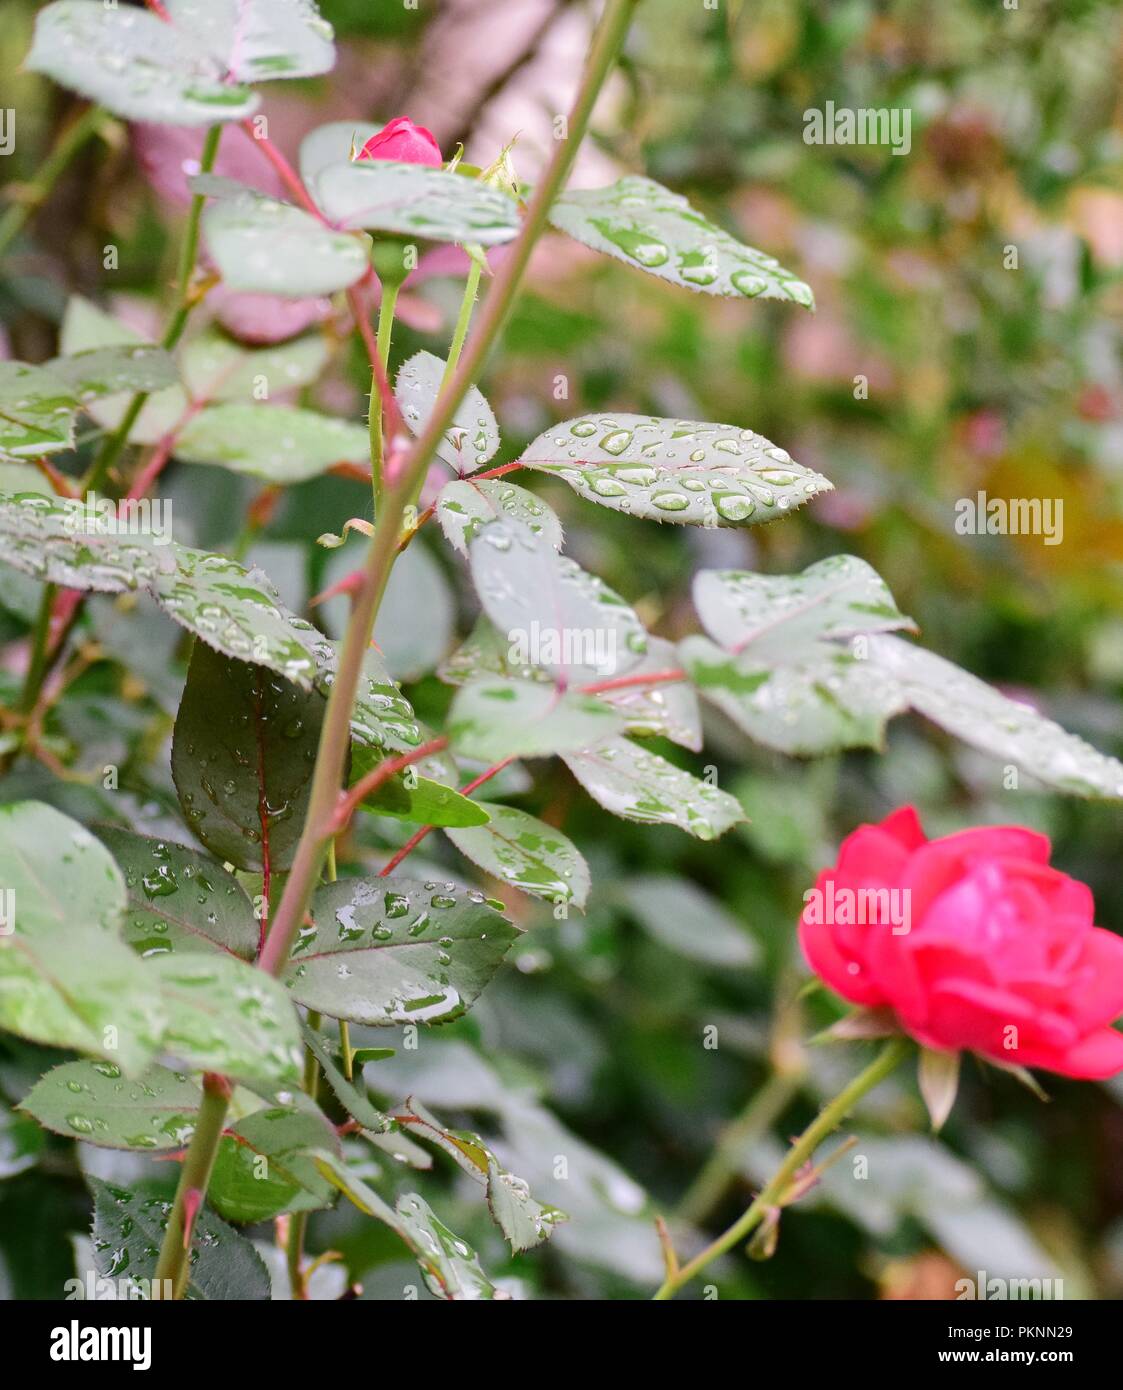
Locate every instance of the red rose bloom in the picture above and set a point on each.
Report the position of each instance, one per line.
(404, 142)
(973, 941)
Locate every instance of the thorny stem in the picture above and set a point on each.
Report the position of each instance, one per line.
(193, 1180)
(827, 1120)
(298, 1221)
(402, 475)
(67, 146)
(111, 448)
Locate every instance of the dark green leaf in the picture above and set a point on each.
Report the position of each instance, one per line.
(94, 1102)
(397, 950)
(262, 1170)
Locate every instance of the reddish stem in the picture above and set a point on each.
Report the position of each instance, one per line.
(389, 767)
(627, 682)
(414, 840)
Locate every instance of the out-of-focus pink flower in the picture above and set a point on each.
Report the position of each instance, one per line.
(405, 143)
(265, 318)
(169, 154)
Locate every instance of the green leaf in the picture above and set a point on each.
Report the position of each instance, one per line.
(417, 585)
(674, 470)
(825, 701)
(486, 652)
(420, 800)
(669, 709)
(414, 200)
(522, 1220)
(242, 758)
(258, 40)
(262, 1169)
(232, 609)
(465, 507)
(108, 371)
(689, 921)
(494, 718)
(776, 617)
(21, 1143)
(641, 786)
(638, 221)
(555, 614)
(448, 1264)
(279, 443)
(129, 1227)
(351, 1095)
(262, 246)
(36, 412)
(66, 978)
(526, 853)
(136, 65)
(395, 950)
(227, 1016)
(92, 1101)
(179, 899)
(216, 368)
(979, 715)
(86, 327)
(381, 718)
(472, 438)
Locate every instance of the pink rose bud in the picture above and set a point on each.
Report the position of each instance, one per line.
(973, 941)
(404, 142)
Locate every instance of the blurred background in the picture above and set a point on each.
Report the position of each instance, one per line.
(596, 1044)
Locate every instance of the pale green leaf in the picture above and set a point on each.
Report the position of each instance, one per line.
(687, 920)
(465, 506)
(638, 785)
(526, 853)
(674, 470)
(494, 718)
(414, 200)
(278, 443)
(95, 1102)
(36, 411)
(472, 438)
(638, 221)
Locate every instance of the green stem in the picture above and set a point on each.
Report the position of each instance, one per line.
(69, 143)
(385, 334)
(40, 638)
(196, 1174)
(111, 447)
(335, 736)
(298, 1221)
(463, 319)
(711, 1184)
(827, 1120)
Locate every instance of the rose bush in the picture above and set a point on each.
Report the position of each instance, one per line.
(998, 953)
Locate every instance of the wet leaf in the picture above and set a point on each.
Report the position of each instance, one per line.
(242, 759)
(674, 470)
(350, 1094)
(129, 1226)
(232, 609)
(825, 701)
(278, 443)
(983, 717)
(179, 899)
(262, 1169)
(669, 709)
(778, 617)
(263, 246)
(557, 615)
(638, 221)
(216, 368)
(228, 1017)
(397, 950)
(260, 40)
(414, 200)
(135, 64)
(472, 438)
(464, 507)
(107, 371)
(641, 786)
(420, 800)
(58, 985)
(36, 411)
(95, 1102)
(526, 853)
(494, 718)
